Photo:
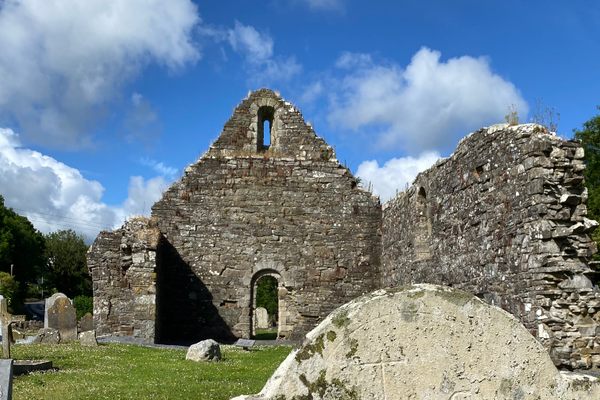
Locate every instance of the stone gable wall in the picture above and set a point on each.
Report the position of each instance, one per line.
(504, 218)
(290, 210)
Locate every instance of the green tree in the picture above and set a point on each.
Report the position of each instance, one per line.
(21, 250)
(8, 287)
(67, 267)
(589, 136)
(266, 294)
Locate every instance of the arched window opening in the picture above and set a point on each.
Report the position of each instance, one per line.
(264, 137)
(422, 237)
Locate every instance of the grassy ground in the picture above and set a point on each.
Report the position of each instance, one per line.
(266, 334)
(116, 371)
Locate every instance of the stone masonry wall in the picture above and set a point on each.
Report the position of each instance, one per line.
(122, 266)
(289, 210)
(505, 218)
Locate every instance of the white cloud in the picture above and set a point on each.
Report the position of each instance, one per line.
(395, 174)
(141, 122)
(159, 167)
(427, 105)
(55, 196)
(255, 46)
(325, 4)
(263, 66)
(68, 59)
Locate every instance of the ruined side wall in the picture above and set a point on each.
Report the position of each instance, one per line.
(504, 218)
(291, 210)
(122, 267)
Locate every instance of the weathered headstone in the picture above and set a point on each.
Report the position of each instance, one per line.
(86, 323)
(6, 374)
(261, 316)
(423, 341)
(60, 314)
(206, 350)
(88, 338)
(47, 335)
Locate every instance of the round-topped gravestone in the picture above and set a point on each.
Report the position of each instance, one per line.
(60, 315)
(421, 342)
(261, 318)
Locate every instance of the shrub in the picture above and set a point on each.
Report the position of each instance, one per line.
(8, 286)
(83, 305)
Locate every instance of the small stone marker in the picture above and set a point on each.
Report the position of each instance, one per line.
(245, 343)
(424, 341)
(261, 316)
(206, 350)
(88, 338)
(47, 335)
(6, 374)
(60, 314)
(86, 323)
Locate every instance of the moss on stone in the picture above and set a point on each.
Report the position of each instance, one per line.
(331, 335)
(321, 387)
(353, 348)
(341, 319)
(309, 350)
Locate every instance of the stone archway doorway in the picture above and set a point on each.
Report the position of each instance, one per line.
(267, 305)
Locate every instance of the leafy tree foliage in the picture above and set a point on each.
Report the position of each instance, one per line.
(21, 249)
(65, 251)
(590, 139)
(266, 295)
(8, 287)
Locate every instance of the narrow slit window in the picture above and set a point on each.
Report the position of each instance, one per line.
(264, 137)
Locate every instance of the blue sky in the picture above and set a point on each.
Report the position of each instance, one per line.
(104, 103)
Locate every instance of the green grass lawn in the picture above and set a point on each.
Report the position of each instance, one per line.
(116, 371)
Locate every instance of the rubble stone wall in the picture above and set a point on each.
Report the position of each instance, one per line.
(505, 218)
(122, 264)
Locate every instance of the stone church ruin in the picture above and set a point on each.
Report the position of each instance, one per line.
(504, 218)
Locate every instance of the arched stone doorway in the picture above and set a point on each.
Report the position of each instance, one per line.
(268, 280)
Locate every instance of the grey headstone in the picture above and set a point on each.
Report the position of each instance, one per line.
(261, 317)
(47, 335)
(60, 314)
(86, 323)
(88, 338)
(206, 350)
(6, 373)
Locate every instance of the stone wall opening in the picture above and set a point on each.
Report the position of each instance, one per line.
(265, 125)
(423, 227)
(267, 283)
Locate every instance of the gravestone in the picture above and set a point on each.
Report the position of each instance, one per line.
(86, 323)
(421, 342)
(88, 338)
(60, 314)
(6, 374)
(261, 316)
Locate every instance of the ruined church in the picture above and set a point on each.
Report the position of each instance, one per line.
(503, 217)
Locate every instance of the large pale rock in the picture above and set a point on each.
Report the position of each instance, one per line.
(206, 350)
(60, 314)
(421, 342)
(261, 318)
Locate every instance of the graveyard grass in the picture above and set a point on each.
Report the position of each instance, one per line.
(116, 371)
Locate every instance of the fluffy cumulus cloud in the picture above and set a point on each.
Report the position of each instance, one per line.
(427, 105)
(395, 174)
(59, 197)
(68, 59)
